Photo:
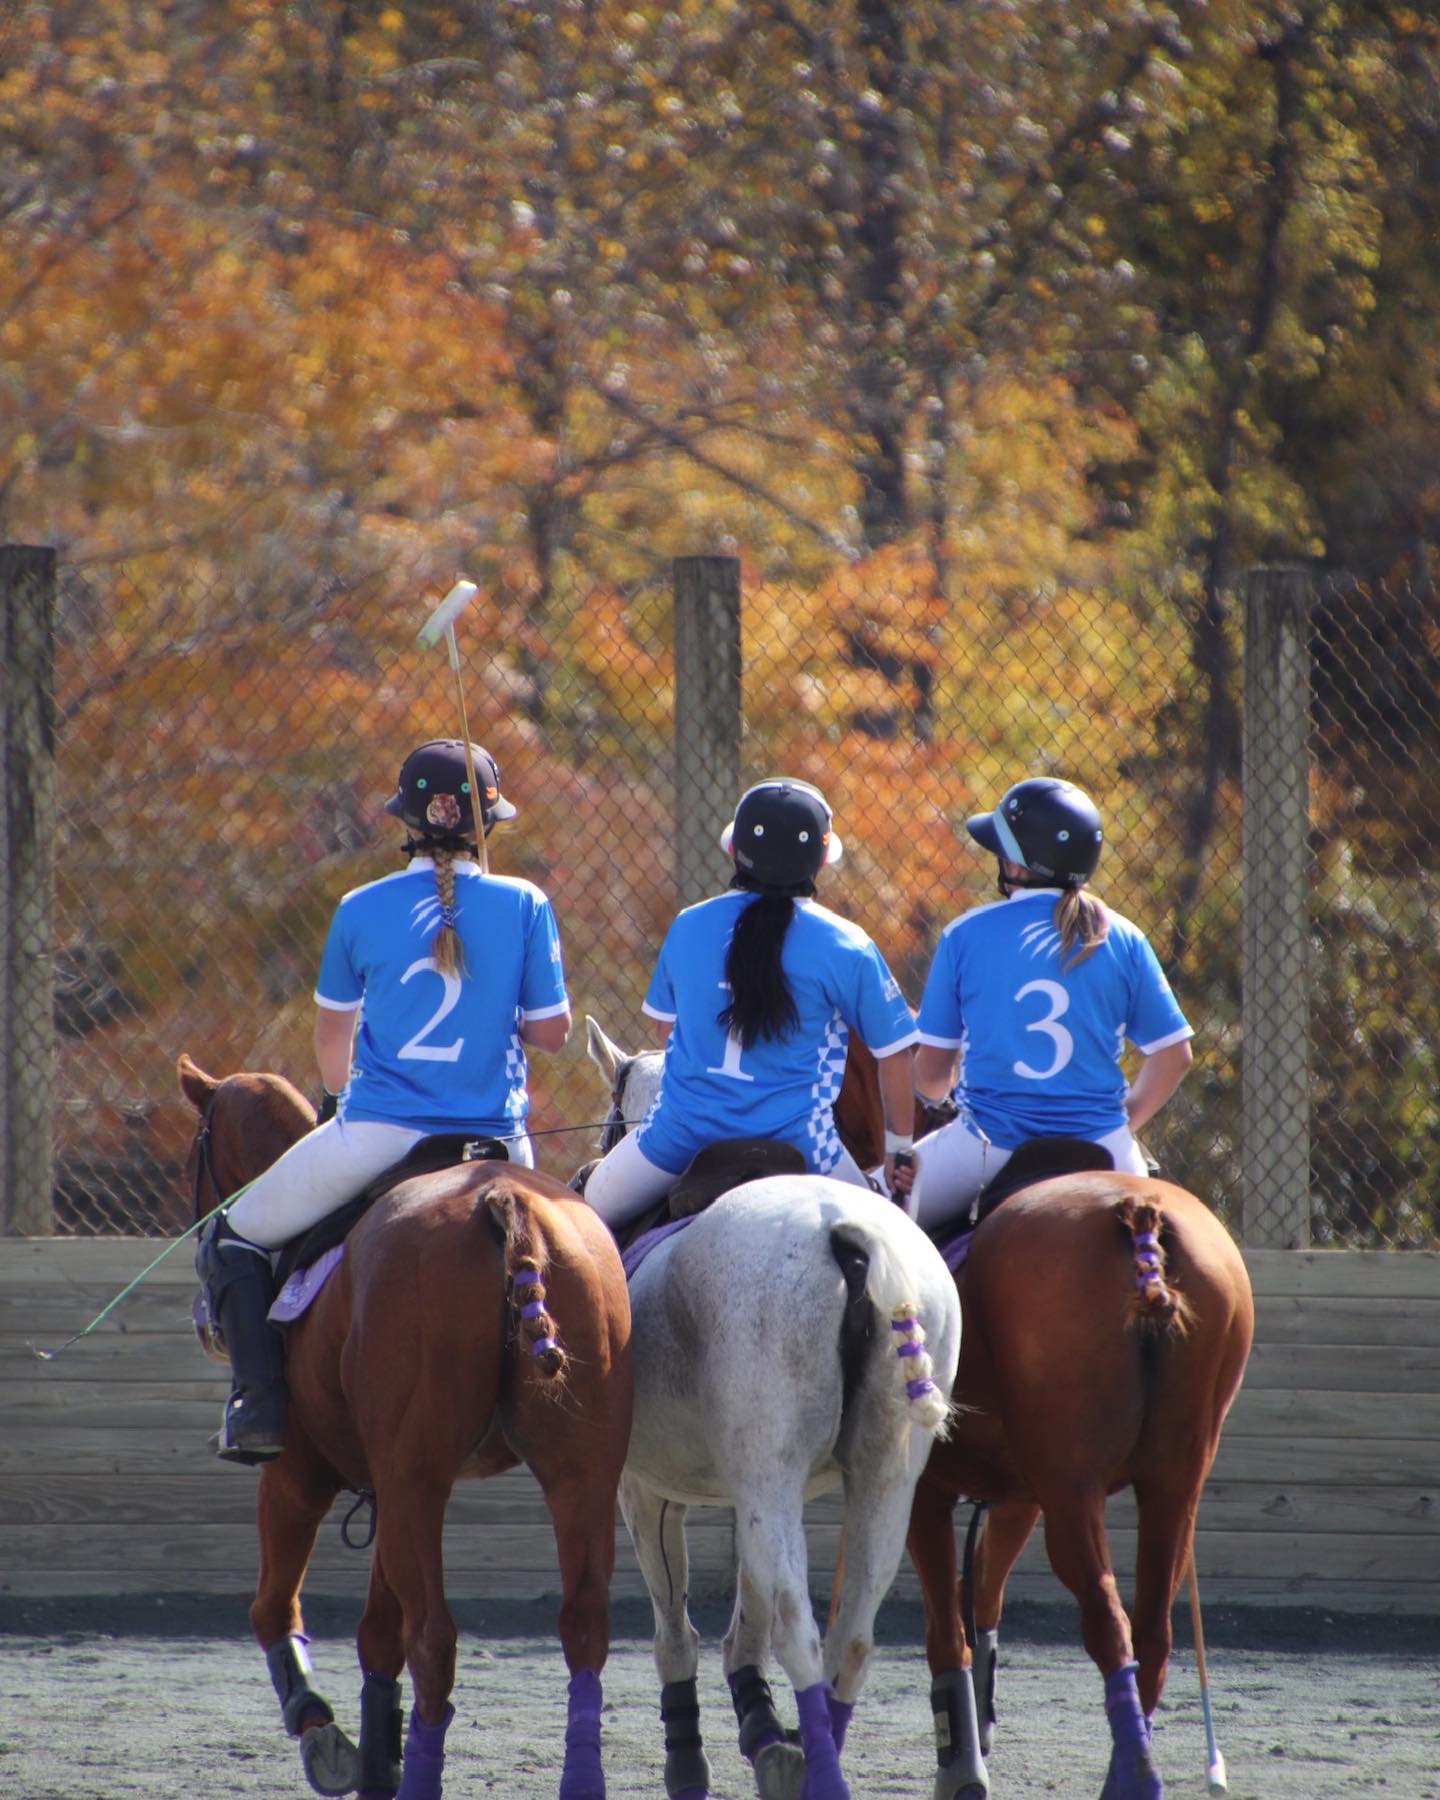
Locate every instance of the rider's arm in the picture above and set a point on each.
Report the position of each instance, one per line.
(546, 1034)
(1156, 1080)
(934, 1071)
(334, 1041)
(897, 1096)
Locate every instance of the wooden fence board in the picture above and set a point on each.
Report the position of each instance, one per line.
(1372, 1274)
(1326, 1490)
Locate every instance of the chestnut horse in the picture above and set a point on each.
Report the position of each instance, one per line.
(1108, 1320)
(478, 1318)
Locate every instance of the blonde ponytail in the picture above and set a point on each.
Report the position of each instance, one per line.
(1083, 924)
(445, 945)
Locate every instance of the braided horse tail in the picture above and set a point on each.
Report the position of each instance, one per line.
(1155, 1305)
(523, 1254)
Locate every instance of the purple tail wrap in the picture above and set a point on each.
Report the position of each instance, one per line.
(424, 1758)
(841, 1712)
(1132, 1775)
(823, 1780)
(583, 1777)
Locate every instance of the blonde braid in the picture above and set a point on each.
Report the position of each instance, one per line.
(1083, 924)
(445, 945)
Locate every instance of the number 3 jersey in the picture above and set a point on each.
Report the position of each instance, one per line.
(1040, 1038)
(433, 1051)
(785, 1088)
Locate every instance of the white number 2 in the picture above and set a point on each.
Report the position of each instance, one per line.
(417, 1050)
(1058, 1035)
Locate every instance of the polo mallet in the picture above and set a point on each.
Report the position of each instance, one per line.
(1214, 1761)
(441, 623)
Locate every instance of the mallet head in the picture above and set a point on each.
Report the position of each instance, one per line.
(445, 614)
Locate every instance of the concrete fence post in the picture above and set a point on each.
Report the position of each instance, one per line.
(27, 889)
(1276, 877)
(707, 718)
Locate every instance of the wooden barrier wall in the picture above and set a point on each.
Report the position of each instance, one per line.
(1326, 1491)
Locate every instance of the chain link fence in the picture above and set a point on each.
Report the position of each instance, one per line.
(195, 775)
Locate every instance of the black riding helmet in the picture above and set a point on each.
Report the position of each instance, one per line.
(432, 791)
(1050, 827)
(780, 835)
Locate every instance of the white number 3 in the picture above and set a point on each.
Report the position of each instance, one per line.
(1058, 1035)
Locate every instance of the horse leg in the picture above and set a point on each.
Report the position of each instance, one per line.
(380, 1641)
(584, 1528)
(295, 1494)
(1080, 1556)
(657, 1530)
(1003, 1534)
(877, 1514)
(1166, 1531)
(960, 1765)
(770, 1533)
(410, 1515)
(772, 1752)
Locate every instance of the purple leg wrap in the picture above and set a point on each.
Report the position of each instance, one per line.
(841, 1712)
(1132, 1775)
(424, 1758)
(823, 1780)
(583, 1777)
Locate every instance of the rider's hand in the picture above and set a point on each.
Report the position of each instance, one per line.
(901, 1169)
(326, 1109)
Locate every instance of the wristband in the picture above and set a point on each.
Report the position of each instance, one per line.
(896, 1141)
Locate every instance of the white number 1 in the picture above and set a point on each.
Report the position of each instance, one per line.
(730, 1063)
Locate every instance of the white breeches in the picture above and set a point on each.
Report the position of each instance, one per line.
(955, 1162)
(625, 1181)
(327, 1167)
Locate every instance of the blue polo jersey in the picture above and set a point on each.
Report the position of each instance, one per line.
(782, 1088)
(433, 1051)
(1040, 1043)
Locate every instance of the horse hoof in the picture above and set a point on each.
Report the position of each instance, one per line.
(780, 1772)
(331, 1762)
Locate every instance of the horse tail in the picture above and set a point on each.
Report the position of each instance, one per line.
(1155, 1304)
(523, 1255)
(873, 1272)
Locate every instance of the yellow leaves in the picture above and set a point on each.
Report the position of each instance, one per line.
(636, 678)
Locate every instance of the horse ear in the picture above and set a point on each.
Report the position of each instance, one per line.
(195, 1084)
(607, 1057)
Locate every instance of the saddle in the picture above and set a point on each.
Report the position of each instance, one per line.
(711, 1172)
(443, 1151)
(1037, 1159)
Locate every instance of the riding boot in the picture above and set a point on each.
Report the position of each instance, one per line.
(239, 1289)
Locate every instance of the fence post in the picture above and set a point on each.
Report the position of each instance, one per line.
(707, 718)
(1275, 866)
(27, 889)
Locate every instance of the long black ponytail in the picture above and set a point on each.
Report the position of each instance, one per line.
(761, 1004)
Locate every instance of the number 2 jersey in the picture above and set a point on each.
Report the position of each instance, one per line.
(784, 1088)
(1040, 1042)
(433, 1051)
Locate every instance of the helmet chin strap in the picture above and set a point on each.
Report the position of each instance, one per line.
(423, 846)
(1009, 884)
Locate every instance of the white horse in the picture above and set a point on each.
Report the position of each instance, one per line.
(799, 1335)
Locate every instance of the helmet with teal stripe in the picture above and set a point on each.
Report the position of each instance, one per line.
(1050, 827)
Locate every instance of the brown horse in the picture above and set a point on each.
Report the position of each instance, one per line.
(478, 1318)
(1108, 1320)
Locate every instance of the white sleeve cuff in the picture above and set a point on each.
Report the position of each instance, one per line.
(1175, 1037)
(545, 1012)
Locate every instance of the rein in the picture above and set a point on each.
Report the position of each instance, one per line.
(205, 1171)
